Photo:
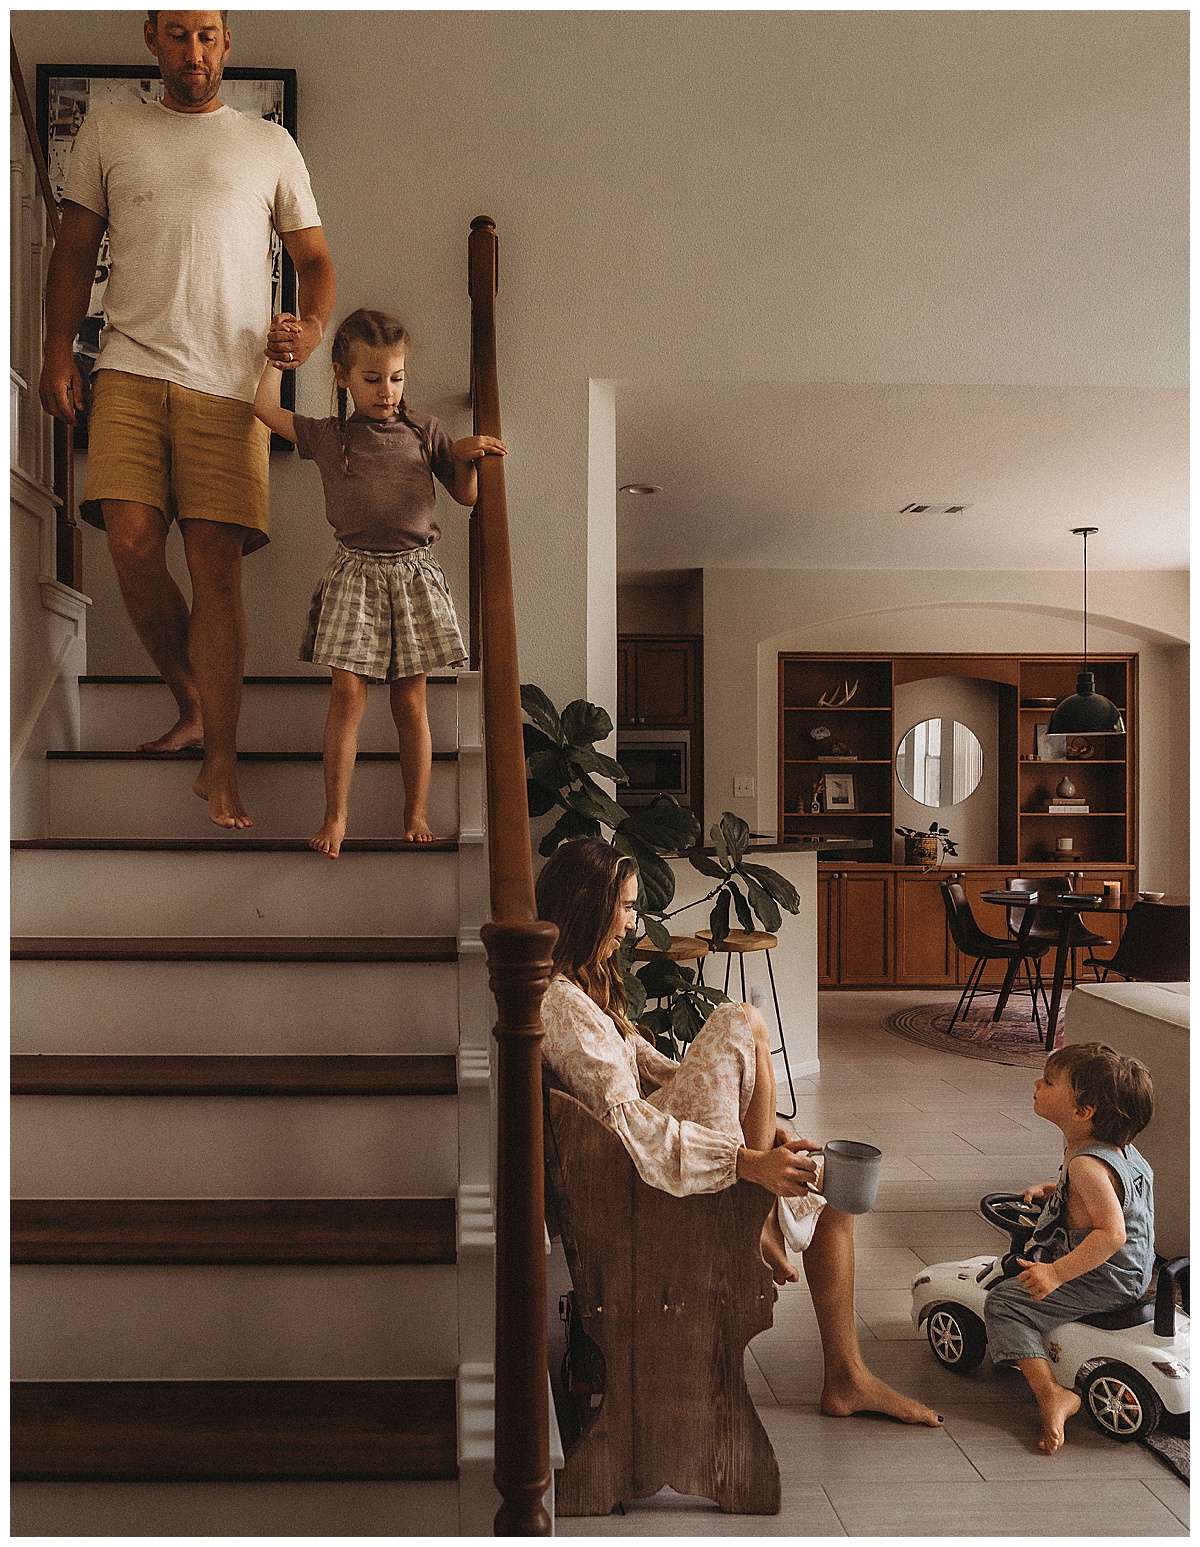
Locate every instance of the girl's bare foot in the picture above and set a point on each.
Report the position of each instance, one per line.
(418, 830)
(774, 1252)
(1055, 1408)
(863, 1392)
(329, 839)
(186, 733)
(225, 807)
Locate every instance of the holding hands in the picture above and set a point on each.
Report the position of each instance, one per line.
(292, 339)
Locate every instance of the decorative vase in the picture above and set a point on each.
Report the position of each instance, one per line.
(922, 850)
(1064, 788)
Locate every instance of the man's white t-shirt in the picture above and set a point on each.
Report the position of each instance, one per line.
(190, 200)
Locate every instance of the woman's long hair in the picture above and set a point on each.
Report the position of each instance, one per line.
(579, 889)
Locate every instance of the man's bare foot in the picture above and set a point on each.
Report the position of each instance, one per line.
(329, 839)
(1055, 1408)
(774, 1252)
(866, 1393)
(225, 808)
(418, 830)
(186, 733)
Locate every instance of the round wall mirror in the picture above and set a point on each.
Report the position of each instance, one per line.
(939, 762)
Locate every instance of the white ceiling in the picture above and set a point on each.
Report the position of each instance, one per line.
(812, 476)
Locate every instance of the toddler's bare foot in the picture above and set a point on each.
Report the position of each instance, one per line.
(329, 839)
(186, 733)
(863, 1392)
(418, 830)
(774, 1252)
(220, 790)
(1055, 1408)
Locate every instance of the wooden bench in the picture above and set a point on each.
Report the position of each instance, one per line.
(672, 1290)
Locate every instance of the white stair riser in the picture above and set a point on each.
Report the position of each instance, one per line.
(234, 1146)
(154, 799)
(320, 1509)
(232, 1323)
(158, 893)
(233, 1007)
(283, 717)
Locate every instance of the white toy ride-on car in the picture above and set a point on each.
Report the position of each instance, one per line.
(1129, 1366)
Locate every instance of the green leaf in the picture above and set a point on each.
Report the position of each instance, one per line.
(587, 760)
(569, 825)
(780, 888)
(540, 799)
(706, 866)
(536, 740)
(745, 917)
(717, 835)
(590, 802)
(764, 905)
(541, 711)
(709, 998)
(636, 995)
(583, 723)
(656, 932)
(718, 919)
(737, 834)
(550, 769)
(665, 829)
(656, 879)
(660, 977)
(684, 1023)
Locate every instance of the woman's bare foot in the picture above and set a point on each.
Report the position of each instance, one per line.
(866, 1393)
(418, 830)
(329, 839)
(186, 733)
(774, 1252)
(225, 807)
(1055, 1408)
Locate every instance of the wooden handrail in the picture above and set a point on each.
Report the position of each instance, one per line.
(519, 960)
(68, 566)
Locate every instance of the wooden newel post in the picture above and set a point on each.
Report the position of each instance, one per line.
(519, 967)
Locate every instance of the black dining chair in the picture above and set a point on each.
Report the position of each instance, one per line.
(972, 941)
(1154, 947)
(1045, 925)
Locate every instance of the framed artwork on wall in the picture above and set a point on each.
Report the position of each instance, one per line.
(66, 93)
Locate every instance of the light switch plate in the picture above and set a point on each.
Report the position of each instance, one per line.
(743, 789)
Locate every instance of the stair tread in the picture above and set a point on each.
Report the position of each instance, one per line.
(244, 1231)
(100, 679)
(195, 755)
(244, 948)
(208, 1431)
(219, 1074)
(235, 842)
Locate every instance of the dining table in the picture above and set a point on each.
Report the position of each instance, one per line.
(1068, 906)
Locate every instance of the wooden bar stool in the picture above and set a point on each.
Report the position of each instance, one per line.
(742, 943)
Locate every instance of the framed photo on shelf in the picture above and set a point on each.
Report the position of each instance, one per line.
(66, 93)
(1050, 749)
(837, 792)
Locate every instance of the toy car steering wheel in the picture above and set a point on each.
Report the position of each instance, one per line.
(1009, 1211)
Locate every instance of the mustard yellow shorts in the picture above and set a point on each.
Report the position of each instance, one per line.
(193, 456)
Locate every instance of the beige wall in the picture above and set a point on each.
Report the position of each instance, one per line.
(889, 196)
(677, 608)
(971, 823)
(751, 615)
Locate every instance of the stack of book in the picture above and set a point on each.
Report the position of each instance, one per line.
(1062, 805)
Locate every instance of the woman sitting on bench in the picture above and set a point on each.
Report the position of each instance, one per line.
(700, 1125)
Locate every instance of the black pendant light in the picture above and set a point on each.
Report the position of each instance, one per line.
(1086, 712)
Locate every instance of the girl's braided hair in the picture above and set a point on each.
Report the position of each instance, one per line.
(377, 330)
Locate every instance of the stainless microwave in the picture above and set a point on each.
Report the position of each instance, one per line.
(658, 761)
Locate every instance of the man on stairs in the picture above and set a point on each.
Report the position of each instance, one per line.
(189, 191)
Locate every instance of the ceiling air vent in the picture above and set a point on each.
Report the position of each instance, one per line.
(934, 510)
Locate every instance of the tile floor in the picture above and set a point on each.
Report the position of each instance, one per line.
(951, 1129)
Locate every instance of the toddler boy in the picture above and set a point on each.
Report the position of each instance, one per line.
(1096, 1231)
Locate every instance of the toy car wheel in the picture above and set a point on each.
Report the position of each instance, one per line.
(1121, 1403)
(957, 1336)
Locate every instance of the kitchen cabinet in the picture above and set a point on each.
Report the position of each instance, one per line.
(855, 928)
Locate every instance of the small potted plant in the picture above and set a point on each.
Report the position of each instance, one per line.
(926, 848)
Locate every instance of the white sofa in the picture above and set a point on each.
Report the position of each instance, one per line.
(1150, 1021)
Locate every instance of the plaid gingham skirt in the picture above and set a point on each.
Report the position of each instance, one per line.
(383, 616)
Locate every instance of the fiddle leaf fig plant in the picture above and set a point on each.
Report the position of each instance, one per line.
(562, 765)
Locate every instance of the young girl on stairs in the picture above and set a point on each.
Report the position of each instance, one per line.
(383, 611)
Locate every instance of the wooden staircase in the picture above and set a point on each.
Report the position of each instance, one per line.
(252, 1135)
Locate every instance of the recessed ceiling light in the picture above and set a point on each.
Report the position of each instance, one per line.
(928, 508)
(641, 488)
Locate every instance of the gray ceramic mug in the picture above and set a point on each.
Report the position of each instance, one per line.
(851, 1177)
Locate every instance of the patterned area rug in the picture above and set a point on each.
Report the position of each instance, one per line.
(1171, 1442)
(1013, 1039)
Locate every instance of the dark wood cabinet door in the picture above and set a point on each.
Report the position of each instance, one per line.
(625, 683)
(827, 888)
(925, 953)
(665, 676)
(865, 928)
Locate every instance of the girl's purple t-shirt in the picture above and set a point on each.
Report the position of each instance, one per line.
(385, 503)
